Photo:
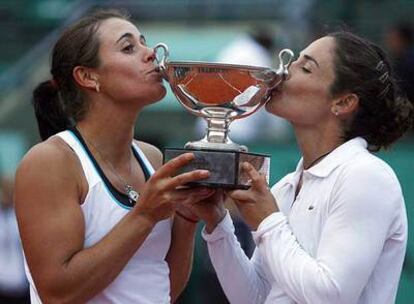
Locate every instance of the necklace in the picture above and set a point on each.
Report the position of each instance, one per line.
(318, 159)
(310, 165)
(129, 190)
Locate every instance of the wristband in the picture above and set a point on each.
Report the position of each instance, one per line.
(186, 217)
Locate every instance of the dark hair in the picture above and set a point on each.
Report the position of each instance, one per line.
(362, 68)
(59, 102)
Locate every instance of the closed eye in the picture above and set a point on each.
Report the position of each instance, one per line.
(306, 70)
(130, 48)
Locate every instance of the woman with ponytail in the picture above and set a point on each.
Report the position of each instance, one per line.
(51, 117)
(97, 211)
(335, 229)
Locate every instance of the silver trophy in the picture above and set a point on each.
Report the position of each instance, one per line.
(221, 93)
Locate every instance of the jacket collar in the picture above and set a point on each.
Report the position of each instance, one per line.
(337, 157)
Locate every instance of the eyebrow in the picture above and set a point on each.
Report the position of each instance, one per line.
(129, 35)
(307, 57)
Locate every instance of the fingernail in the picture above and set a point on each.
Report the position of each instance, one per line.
(204, 172)
(189, 156)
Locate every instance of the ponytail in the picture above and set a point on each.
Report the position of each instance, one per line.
(50, 114)
(383, 116)
(60, 103)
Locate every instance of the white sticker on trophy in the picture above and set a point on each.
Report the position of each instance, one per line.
(246, 96)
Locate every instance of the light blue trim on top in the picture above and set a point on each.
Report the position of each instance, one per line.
(97, 173)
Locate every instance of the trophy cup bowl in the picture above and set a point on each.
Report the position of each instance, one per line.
(221, 93)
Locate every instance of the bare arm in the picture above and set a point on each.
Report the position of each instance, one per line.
(180, 255)
(49, 190)
(51, 221)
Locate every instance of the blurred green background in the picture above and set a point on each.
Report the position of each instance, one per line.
(194, 30)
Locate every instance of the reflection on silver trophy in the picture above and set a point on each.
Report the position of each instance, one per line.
(221, 93)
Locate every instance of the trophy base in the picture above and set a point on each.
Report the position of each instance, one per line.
(224, 166)
(204, 144)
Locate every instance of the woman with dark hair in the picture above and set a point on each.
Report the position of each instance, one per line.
(97, 223)
(335, 230)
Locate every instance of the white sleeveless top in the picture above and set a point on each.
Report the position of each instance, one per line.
(145, 279)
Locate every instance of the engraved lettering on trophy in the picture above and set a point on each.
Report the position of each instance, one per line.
(210, 70)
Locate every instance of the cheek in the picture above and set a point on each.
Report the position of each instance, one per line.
(116, 74)
(298, 100)
(123, 76)
(305, 89)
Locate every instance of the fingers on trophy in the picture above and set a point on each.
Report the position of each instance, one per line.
(221, 93)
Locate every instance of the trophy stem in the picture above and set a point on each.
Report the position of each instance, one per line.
(218, 130)
(217, 137)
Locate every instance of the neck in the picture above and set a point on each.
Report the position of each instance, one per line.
(111, 130)
(316, 144)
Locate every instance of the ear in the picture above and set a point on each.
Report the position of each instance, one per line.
(85, 78)
(345, 105)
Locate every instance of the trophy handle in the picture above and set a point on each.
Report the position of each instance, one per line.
(164, 59)
(284, 66)
(275, 77)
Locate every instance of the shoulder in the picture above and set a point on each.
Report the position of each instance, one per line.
(153, 154)
(51, 162)
(51, 153)
(369, 169)
(368, 183)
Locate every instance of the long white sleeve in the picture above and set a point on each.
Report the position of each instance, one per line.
(366, 205)
(242, 280)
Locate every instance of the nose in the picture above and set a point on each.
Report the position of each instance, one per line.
(151, 54)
